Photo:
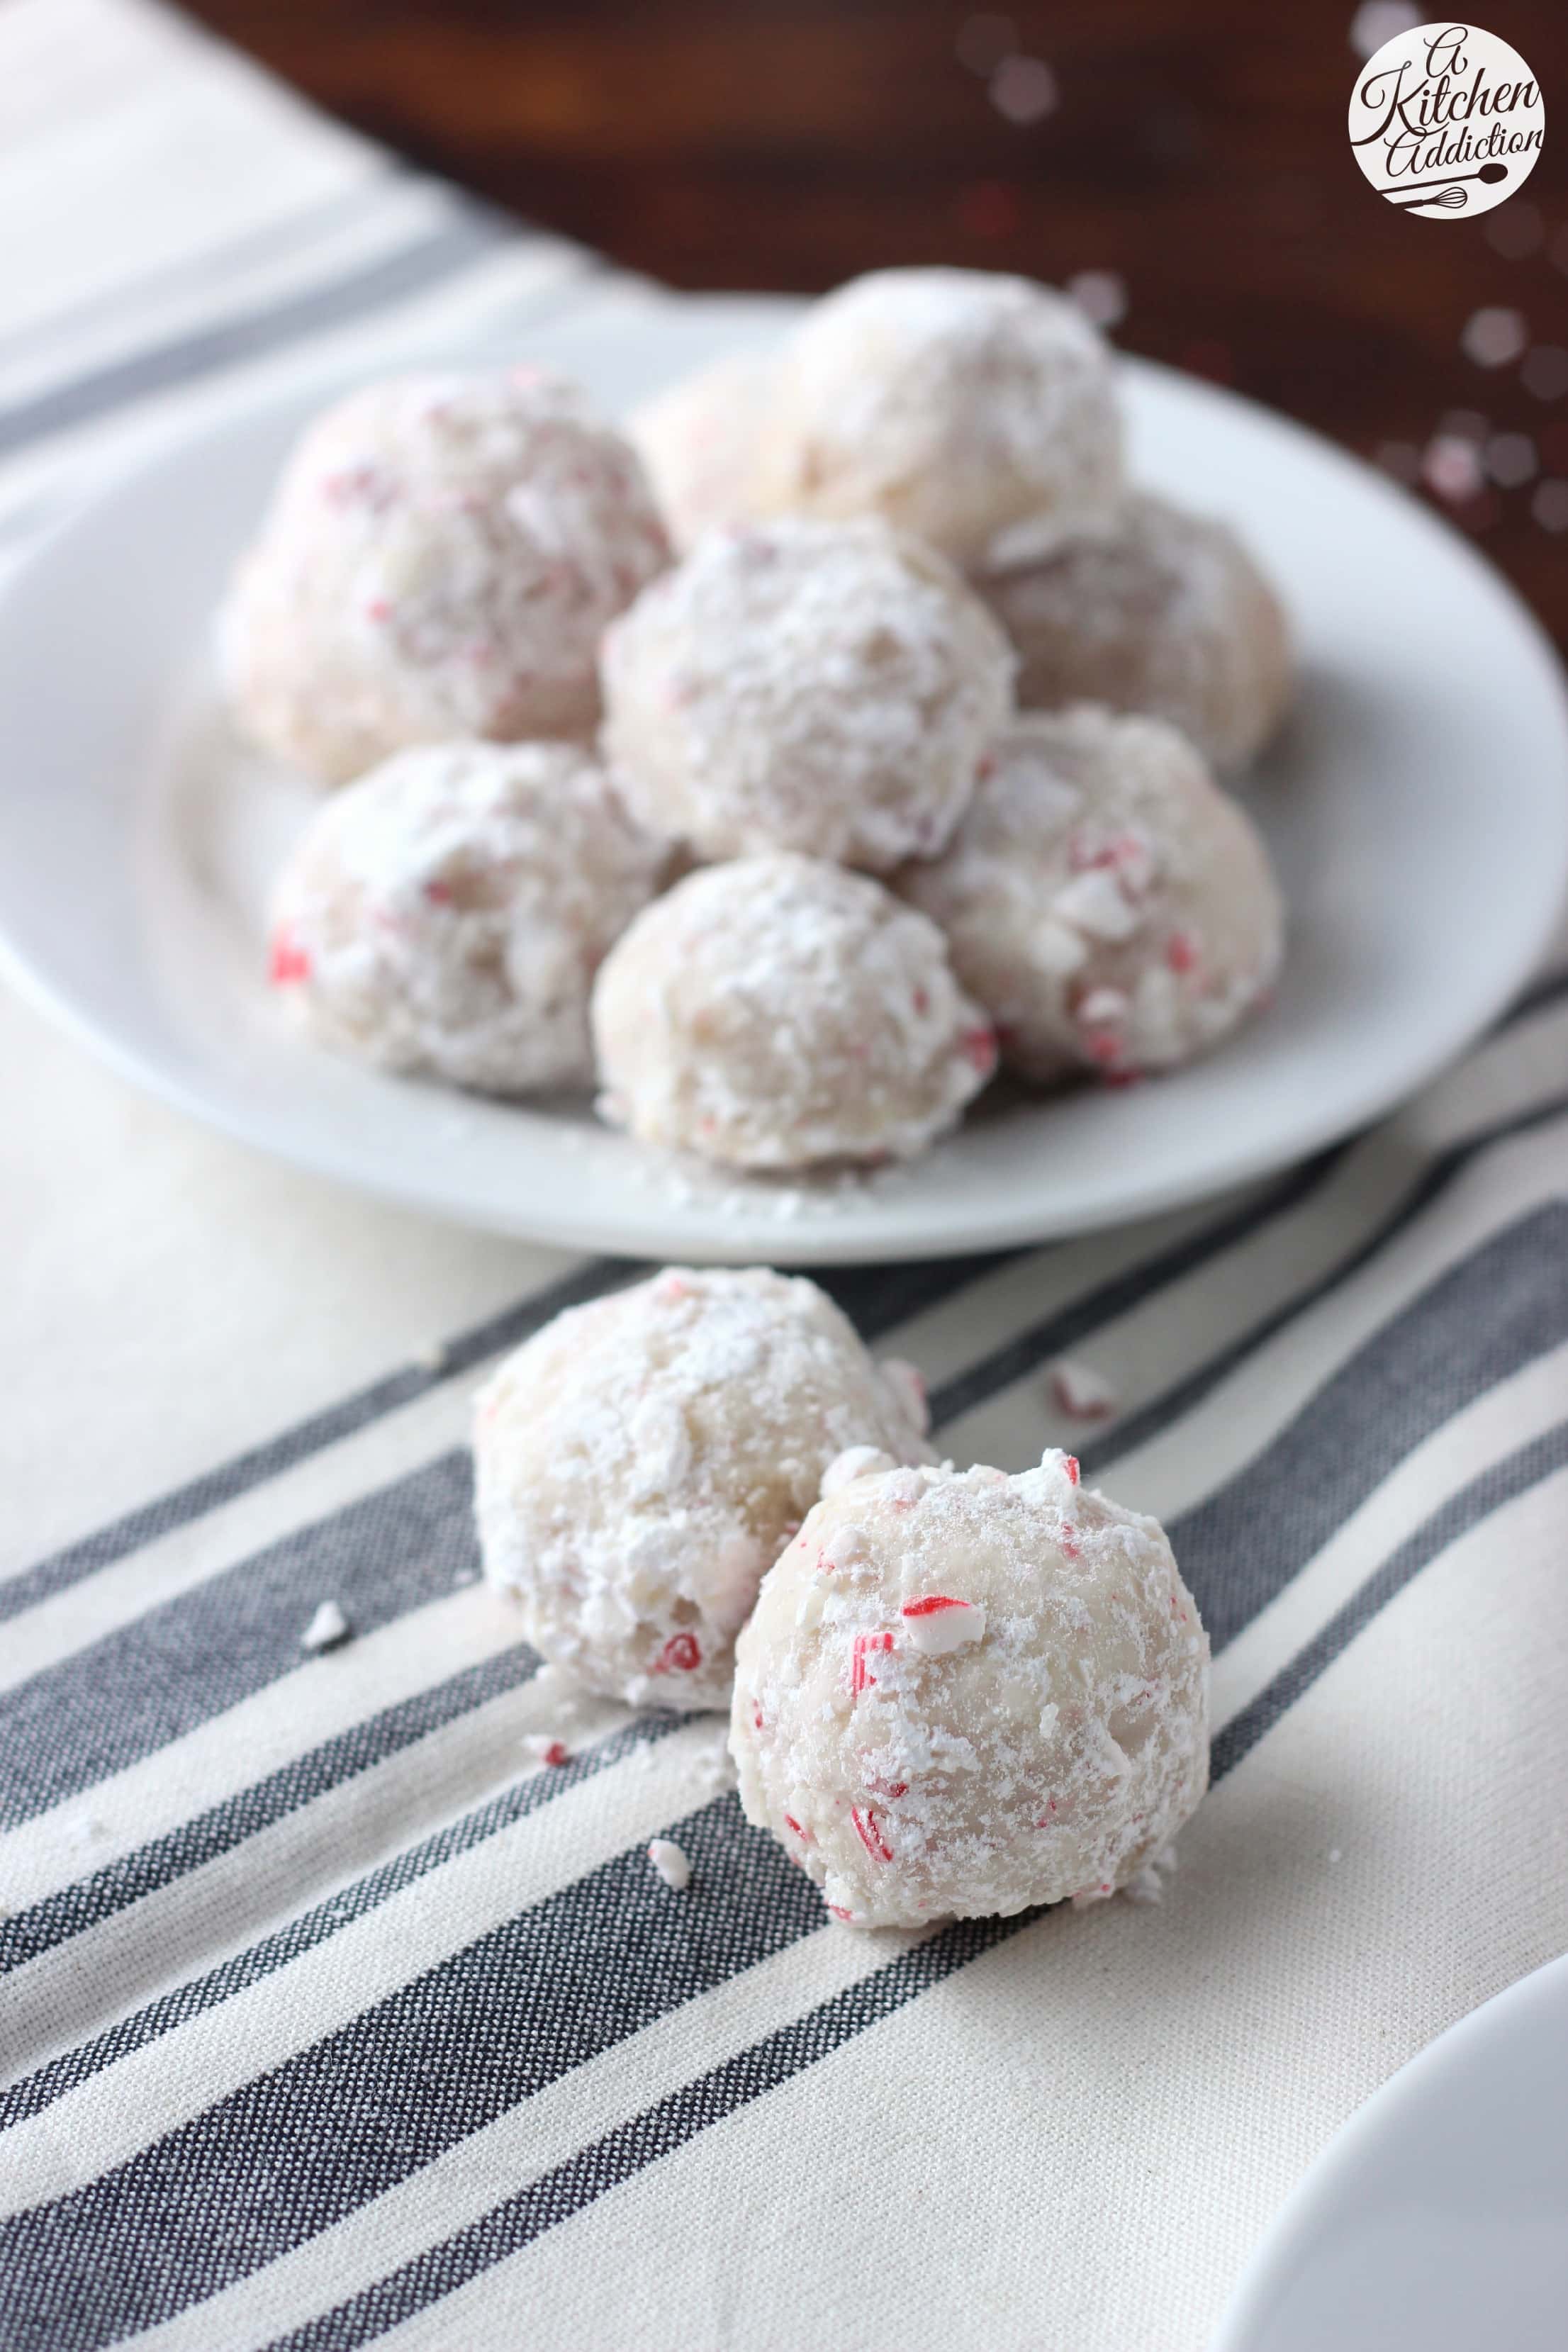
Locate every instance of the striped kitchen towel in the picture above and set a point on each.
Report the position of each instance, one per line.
(327, 2017)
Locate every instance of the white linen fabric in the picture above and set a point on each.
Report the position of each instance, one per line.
(326, 2017)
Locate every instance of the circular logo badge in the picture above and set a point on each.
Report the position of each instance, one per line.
(1446, 122)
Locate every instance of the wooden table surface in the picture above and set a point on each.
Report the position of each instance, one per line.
(1195, 149)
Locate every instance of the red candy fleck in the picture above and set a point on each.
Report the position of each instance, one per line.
(1180, 951)
(871, 1837)
(680, 1654)
(1105, 1047)
(378, 609)
(289, 960)
(979, 1047)
(791, 1823)
(859, 1673)
(930, 1603)
(438, 893)
(757, 1718)
(839, 1912)
(1070, 1463)
(557, 1753)
(1067, 1541)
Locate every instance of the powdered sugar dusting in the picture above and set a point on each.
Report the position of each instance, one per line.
(973, 408)
(1110, 906)
(440, 559)
(642, 1460)
(448, 912)
(1167, 615)
(1052, 1753)
(825, 688)
(778, 1013)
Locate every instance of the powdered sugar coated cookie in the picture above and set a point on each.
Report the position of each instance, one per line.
(1168, 614)
(1106, 902)
(642, 1460)
(448, 912)
(961, 1693)
(975, 410)
(828, 687)
(777, 1012)
(440, 559)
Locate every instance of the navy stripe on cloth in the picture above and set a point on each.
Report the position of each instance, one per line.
(243, 1472)
(182, 2188)
(875, 1297)
(1429, 1181)
(440, 254)
(303, 1934)
(153, 1680)
(26, 1935)
(310, 2141)
(1499, 1482)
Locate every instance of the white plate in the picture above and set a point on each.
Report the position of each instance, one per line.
(1418, 811)
(1437, 2220)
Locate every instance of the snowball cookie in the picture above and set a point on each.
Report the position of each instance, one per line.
(798, 685)
(1170, 615)
(961, 1693)
(777, 1012)
(440, 559)
(1106, 902)
(447, 913)
(697, 441)
(642, 1460)
(976, 411)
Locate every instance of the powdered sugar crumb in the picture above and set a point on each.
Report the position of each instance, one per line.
(670, 1862)
(326, 1629)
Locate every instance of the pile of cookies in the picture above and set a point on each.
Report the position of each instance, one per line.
(950, 1693)
(778, 771)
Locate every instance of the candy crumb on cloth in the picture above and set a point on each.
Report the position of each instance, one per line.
(1080, 1391)
(670, 1862)
(326, 1629)
(545, 1748)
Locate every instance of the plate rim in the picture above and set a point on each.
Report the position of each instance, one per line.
(1250, 2297)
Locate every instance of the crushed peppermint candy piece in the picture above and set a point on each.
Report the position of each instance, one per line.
(670, 1862)
(326, 1629)
(1080, 1391)
(937, 1624)
(546, 1749)
(1096, 903)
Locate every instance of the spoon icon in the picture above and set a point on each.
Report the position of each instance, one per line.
(1447, 194)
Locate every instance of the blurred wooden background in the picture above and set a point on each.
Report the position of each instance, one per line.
(1194, 152)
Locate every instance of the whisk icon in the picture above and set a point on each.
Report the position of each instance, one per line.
(1445, 193)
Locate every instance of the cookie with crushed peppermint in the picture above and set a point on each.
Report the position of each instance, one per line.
(963, 1693)
(780, 1012)
(975, 409)
(643, 1460)
(441, 557)
(446, 914)
(822, 687)
(1169, 615)
(1112, 908)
